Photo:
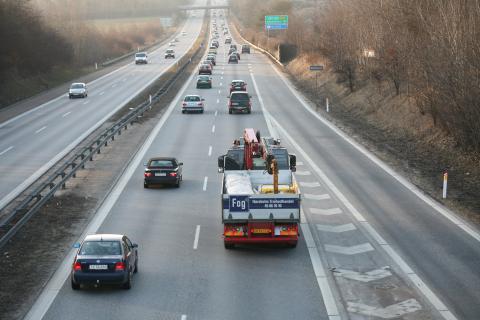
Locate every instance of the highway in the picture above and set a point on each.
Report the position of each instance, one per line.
(371, 246)
(33, 141)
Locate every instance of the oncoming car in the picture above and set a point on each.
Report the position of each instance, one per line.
(162, 170)
(78, 89)
(141, 58)
(104, 259)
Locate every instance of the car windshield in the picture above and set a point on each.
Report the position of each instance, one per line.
(192, 98)
(240, 97)
(77, 86)
(140, 55)
(101, 248)
(162, 163)
(233, 57)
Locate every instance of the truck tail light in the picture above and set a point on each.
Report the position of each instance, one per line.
(234, 231)
(77, 266)
(120, 266)
(286, 230)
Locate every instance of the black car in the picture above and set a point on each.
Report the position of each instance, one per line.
(162, 171)
(204, 81)
(239, 101)
(245, 48)
(233, 58)
(105, 259)
(238, 85)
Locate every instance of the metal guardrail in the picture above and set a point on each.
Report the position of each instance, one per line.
(11, 223)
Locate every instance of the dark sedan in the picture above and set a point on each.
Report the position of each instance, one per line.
(163, 171)
(105, 259)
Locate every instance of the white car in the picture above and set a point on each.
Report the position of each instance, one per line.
(171, 44)
(141, 58)
(78, 89)
(193, 102)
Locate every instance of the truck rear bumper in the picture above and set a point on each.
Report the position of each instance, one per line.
(239, 240)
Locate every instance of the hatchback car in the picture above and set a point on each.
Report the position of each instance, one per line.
(204, 81)
(170, 53)
(163, 170)
(233, 58)
(78, 89)
(238, 85)
(239, 101)
(104, 259)
(245, 48)
(141, 58)
(193, 103)
(205, 69)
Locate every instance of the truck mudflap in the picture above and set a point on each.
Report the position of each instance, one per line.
(260, 232)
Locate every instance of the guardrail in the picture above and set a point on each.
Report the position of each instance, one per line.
(11, 223)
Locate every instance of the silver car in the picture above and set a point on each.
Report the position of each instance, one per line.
(193, 102)
(78, 90)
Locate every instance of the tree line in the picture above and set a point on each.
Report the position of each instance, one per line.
(428, 50)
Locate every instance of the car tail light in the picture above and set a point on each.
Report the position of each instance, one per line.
(147, 174)
(120, 266)
(77, 266)
(172, 174)
(184, 104)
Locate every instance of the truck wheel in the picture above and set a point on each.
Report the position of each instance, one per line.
(75, 286)
(229, 245)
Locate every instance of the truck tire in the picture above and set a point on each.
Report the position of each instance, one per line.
(228, 245)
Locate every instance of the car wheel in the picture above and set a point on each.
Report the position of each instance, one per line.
(177, 185)
(75, 286)
(128, 284)
(229, 245)
(230, 111)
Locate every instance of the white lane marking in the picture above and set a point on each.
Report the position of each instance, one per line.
(213, 129)
(216, 113)
(66, 114)
(309, 196)
(336, 229)
(210, 151)
(328, 297)
(101, 93)
(41, 129)
(444, 211)
(184, 317)
(205, 181)
(303, 173)
(218, 100)
(6, 150)
(219, 91)
(220, 84)
(221, 78)
(21, 187)
(309, 184)
(197, 235)
(366, 277)
(86, 102)
(53, 287)
(393, 311)
(416, 280)
(352, 250)
(222, 71)
(326, 212)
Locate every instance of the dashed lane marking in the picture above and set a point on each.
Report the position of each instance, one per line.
(101, 93)
(86, 102)
(41, 129)
(213, 129)
(197, 235)
(210, 151)
(205, 181)
(66, 114)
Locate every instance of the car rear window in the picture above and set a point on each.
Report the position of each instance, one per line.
(101, 248)
(163, 163)
(240, 96)
(192, 98)
(77, 86)
(237, 83)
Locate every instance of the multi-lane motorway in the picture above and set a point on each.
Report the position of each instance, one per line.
(372, 246)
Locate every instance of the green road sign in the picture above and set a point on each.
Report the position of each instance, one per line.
(276, 22)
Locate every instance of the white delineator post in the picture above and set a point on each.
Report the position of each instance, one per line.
(150, 99)
(327, 106)
(96, 66)
(445, 181)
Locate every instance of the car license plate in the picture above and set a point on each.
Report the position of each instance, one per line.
(160, 174)
(261, 231)
(98, 267)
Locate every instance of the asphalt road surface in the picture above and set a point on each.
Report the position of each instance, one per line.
(33, 141)
(391, 254)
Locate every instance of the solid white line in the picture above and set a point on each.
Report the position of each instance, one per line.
(422, 286)
(197, 235)
(41, 129)
(210, 151)
(53, 287)
(6, 150)
(66, 114)
(213, 128)
(205, 181)
(444, 211)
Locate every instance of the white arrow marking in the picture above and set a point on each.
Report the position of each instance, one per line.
(316, 196)
(361, 248)
(390, 312)
(336, 229)
(303, 173)
(326, 212)
(309, 184)
(373, 275)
